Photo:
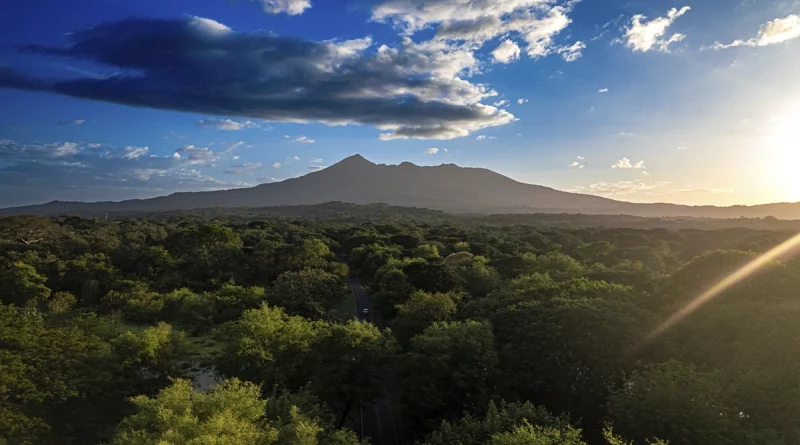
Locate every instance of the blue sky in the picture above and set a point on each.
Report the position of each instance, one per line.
(693, 102)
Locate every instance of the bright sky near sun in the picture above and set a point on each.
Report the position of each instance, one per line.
(694, 102)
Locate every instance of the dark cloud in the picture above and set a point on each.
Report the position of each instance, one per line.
(199, 65)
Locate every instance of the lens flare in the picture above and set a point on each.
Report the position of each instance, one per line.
(781, 251)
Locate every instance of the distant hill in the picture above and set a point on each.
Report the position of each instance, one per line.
(445, 187)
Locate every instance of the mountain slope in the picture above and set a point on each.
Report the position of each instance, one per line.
(444, 187)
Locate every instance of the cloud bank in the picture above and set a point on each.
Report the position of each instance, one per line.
(202, 66)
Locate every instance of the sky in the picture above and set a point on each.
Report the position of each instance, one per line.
(691, 102)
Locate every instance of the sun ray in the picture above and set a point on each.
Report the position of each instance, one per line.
(783, 250)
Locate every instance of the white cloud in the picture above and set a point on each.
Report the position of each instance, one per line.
(292, 158)
(144, 174)
(304, 140)
(522, 101)
(580, 163)
(625, 134)
(573, 52)
(603, 90)
(132, 152)
(226, 124)
(245, 169)
(483, 137)
(682, 147)
(94, 145)
(316, 160)
(432, 151)
(501, 103)
(276, 165)
(626, 163)
(196, 155)
(234, 146)
(506, 52)
(645, 35)
(67, 149)
(290, 7)
(475, 22)
(73, 122)
(235, 158)
(644, 172)
(621, 188)
(775, 31)
(316, 167)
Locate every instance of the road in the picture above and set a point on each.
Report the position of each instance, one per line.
(377, 419)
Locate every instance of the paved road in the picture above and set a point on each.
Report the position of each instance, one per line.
(377, 420)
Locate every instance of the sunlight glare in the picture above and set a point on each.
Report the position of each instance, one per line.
(784, 250)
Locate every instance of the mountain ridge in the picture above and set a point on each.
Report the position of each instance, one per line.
(446, 187)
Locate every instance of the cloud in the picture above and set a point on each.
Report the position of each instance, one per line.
(645, 173)
(304, 140)
(432, 151)
(773, 32)
(522, 101)
(316, 167)
(234, 146)
(506, 52)
(32, 172)
(626, 163)
(316, 160)
(501, 103)
(603, 90)
(682, 147)
(483, 137)
(580, 163)
(276, 165)
(621, 188)
(625, 134)
(196, 155)
(290, 7)
(226, 124)
(292, 158)
(65, 149)
(475, 22)
(573, 52)
(74, 122)
(407, 91)
(644, 35)
(245, 169)
(133, 152)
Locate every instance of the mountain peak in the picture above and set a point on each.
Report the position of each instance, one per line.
(354, 160)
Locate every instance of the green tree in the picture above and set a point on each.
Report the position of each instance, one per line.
(451, 368)
(268, 346)
(40, 368)
(310, 293)
(677, 402)
(232, 413)
(22, 286)
(420, 311)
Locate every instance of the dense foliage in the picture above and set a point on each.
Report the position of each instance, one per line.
(240, 329)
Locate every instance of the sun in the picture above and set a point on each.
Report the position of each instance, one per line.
(784, 142)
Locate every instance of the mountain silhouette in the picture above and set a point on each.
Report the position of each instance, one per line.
(446, 187)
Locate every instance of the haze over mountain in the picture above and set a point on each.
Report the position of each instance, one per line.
(446, 187)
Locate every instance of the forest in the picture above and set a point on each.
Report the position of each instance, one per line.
(225, 328)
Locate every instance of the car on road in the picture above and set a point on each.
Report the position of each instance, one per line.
(365, 311)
